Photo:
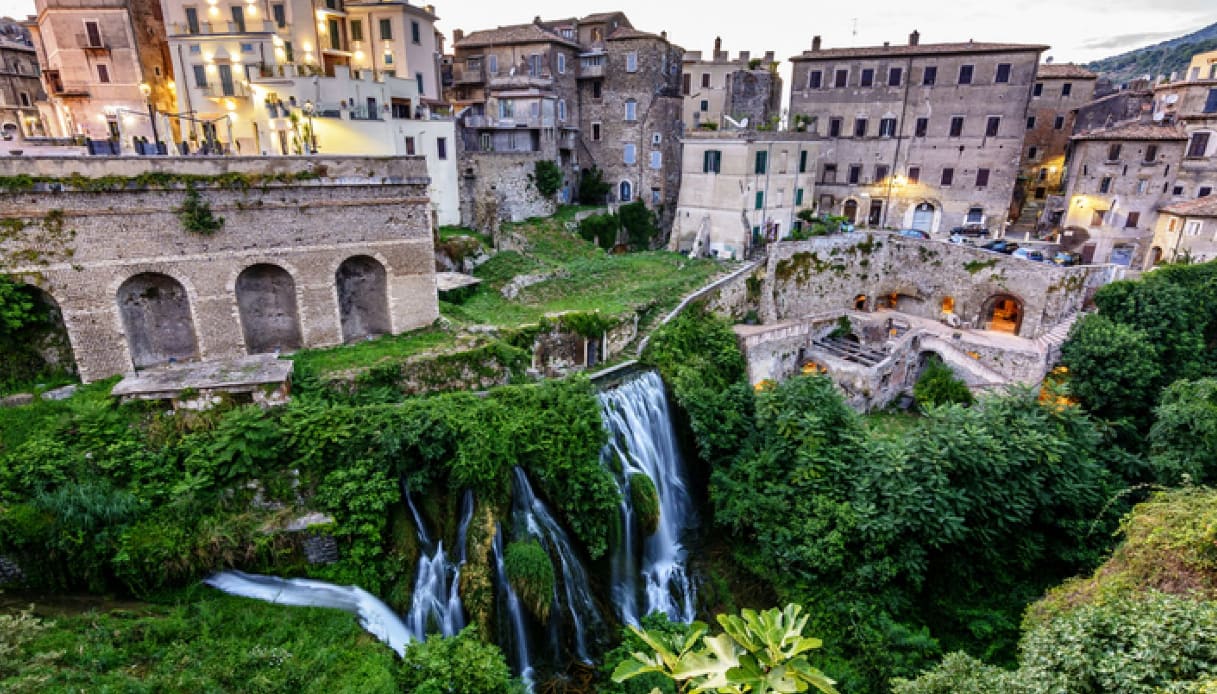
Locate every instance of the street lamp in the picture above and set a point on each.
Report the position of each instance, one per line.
(309, 108)
(146, 90)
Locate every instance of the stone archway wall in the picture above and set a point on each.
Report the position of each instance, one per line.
(266, 299)
(155, 312)
(989, 315)
(363, 300)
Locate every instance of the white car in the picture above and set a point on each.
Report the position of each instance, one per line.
(961, 240)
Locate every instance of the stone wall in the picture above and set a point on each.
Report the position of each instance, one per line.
(496, 187)
(137, 289)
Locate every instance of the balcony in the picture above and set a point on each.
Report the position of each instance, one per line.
(543, 80)
(92, 43)
(236, 90)
(490, 123)
(209, 28)
(465, 75)
(591, 70)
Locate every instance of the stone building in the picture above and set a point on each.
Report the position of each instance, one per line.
(1186, 230)
(329, 250)
(1192, 104)
(98, 59)
(351, 77)
(741, 189)
(1118, 178)
(1059, 91)
(927, 136)
(745, 88)
(580, 92)
(20, 87)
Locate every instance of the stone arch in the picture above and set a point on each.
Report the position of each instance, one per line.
(363, 298)
(1002, 312)
(266, 300)
(155, 311)
(903, 299)
(41, 347)
(924, 216)
(849, 210)
(625, 192)
(860, 302)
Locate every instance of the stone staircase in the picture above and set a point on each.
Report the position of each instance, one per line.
(975, 374)
(1050, 342)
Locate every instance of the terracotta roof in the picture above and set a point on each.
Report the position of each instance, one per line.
(1065, 71)
(903, 50)
(1134, 131)
(518, 33)
(1200, 207)
(600, 17)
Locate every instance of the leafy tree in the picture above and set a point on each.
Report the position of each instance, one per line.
(1183, 439)
(547, 177)
(602, 229)
(593, 189)
(640, 224)
(1113, 367)
(757, 652)
(463, 664)
(938, 385)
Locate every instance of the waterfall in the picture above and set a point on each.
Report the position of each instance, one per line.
(642, 441)
(572, 591)
(515, 615)
(374, 616)
(436, 597)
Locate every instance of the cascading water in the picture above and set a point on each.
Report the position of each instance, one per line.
(436, 598)
(377, 618)
(572, 591)
(643, 441)
(515, 615)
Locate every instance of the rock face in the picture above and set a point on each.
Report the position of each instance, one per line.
(9, 571)
(521, 282)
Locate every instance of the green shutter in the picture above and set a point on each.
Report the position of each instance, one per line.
(803, 161)
(762, 159)
(760, 199)
(798, 195)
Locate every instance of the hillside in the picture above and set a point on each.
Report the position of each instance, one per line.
(1159, 59)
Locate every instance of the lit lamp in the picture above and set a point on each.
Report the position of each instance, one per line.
(309, 109)
(146, 90)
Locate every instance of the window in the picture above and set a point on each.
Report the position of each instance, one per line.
(1142, 186)
(760, 199)
(922, 127)
(1038, 89)
(279, 14)
(1033, 153)
(597, 88)
(834, 127)
(704, 106)
(1105, 185)
(976, 215)
(655, 196)
(656, 159)
(798, 196)
(829, 175)
(1003, 73)
(762, 162)
(1113, 152)
(894, 76)
(418, 80)
(631, 110)
(631, 61)
(887, 127)
(507, 109)
(1066, 89)
(686, 84)
(1096, 218)
(416, 33)
(705, 80)
(948, 176)
(712, 161)
(855, 173)
(562, 109)
(356, 29)
(982, 178)
(841, 79)
(492, 61)
(93, 34)
(992, 126)
(410, 146)
(880, 172)
(815, 79)
(1151, 154)
(859, 127)
(627, 191)
(596, 132)
(1210, 104)
(103, 74)
(1041, 193)
(561, 63)
(192, 20)
(1042, 175)
(1177, 190)
(287, 51)
(1198, 146)
(1058, 123)
(965, 74)
(388, 58)
(929, 76)
(629, 153)
(803, 161)
(914, 174)
(386, 31)
(868, 78)
(200, 76)
(24, 98)
(441, 147)
(1204, 191)
(1133, 219)
(956, 126)
(238, 18)
(1031, 123)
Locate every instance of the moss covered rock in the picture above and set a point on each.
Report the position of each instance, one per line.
(646, 502)
(531, 575)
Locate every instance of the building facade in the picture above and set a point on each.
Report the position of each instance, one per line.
(20, 87)
(925, 136)
(747, 90)
(741, 189)
(1186, 230)
(1192, 104)
(105, 69)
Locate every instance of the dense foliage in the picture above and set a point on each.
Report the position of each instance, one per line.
(26, 325)
(593, 189)
(938, 385)
(463, 664)
(547, 177)
(531, 574)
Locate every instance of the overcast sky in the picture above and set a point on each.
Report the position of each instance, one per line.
(1077, 30)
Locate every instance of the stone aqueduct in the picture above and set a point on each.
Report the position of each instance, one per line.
(313, 252)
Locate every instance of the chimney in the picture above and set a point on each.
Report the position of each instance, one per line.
(664, 34)
(430, 9)
(536, 20)
(815, 43)
(457, 35)
(745, 56)
(914, 38)
(718, 45)
(887, 44)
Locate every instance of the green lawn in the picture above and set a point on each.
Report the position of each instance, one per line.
(316, 362)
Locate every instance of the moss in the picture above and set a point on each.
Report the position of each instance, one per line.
(753, 285)
(531, 574)
(799, 267)
(975, 266)
(646, 502)
(477, 575)
(155, 179)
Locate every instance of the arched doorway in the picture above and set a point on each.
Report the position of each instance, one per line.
(363, 298)
(851, 211)
(38, 349)
(266, 299)
(1004, 313)
(923, 217)
(860, 302)
(155, 311)
(626, 191)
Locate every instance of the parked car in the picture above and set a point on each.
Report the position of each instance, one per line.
(913, 233)
(970, 230)
(1028, 254)
(1066, 258)
(961, 240)
(1000, 246)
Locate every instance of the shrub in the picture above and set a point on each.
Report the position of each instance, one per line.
(547, 177)
(938, 385)
(196, 216)
(463, 664)
(531, 574)
(592, 187)
(601, 229)
(640, 224)
(646, 502)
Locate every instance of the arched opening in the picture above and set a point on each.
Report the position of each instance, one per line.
(900, 301)
(363, 298)
(851, 211)
(923, 217)
(1004, 313)
(860, 302)
(37, 349)
(948, 304)
(1155, 255)
(155, 311)
(266, 298)
(626, 191)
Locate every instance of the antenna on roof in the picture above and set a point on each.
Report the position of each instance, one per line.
(855, 30)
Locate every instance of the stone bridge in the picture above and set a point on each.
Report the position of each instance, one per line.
(313, 252)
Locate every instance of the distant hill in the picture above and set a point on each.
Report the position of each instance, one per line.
(1160, 59)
